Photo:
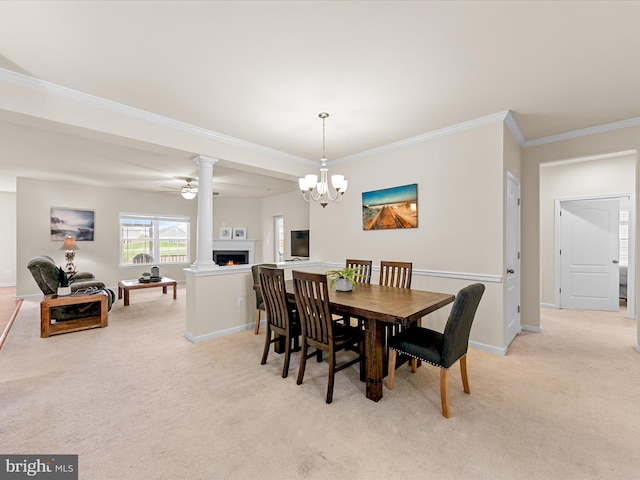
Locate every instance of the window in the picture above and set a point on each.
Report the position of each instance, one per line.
(279, 238)
(153, 239)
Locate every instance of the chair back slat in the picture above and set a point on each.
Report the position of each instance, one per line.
(275, 299)
(364, 268)
(312, 299)
(396, 274)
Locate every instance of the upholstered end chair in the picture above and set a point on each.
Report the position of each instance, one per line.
(43, 269)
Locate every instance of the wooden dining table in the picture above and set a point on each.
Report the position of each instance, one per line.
(380, 306)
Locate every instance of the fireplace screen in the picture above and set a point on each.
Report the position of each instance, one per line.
(231, 257)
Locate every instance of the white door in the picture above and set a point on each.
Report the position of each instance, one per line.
(512, 279)
(589, 239)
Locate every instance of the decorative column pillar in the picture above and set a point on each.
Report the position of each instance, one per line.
(204, 243)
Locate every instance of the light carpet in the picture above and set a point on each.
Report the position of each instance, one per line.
(136, 400)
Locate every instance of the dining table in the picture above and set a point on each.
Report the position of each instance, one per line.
(380, 306)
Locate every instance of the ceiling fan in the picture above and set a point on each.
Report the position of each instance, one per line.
(188, 191)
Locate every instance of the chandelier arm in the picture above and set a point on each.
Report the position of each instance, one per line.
(320, 190)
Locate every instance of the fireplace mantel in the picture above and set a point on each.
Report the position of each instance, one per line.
(238, 245)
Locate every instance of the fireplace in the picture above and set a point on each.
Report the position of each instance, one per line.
(240, 252)
(230, 257)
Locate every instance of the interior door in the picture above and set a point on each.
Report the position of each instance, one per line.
(589, 237)
(512, 279)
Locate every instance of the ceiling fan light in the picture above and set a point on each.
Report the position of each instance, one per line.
(188, 192)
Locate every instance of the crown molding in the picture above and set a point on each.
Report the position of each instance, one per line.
(513, 127)
(32, 83)
(460, 127)
(607, 127)
(506, 116)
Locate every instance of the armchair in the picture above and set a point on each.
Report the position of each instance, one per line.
(43, 269)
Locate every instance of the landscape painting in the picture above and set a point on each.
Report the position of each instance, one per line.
(395, 207)
(77, 223)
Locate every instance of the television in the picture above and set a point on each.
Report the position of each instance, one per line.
(299, 243)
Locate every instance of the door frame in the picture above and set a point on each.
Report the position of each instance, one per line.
(512, 178)
(632, 260)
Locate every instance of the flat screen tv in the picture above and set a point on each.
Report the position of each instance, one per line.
(299, 243)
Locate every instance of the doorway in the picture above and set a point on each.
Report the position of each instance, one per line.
(588, 178)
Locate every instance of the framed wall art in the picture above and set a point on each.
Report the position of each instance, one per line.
(226, 233)
(239, 233)
(395, 207)
(68, 221)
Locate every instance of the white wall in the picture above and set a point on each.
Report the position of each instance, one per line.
(34, 199)
(460, 181)
(239, 212)
(8, 239)
(295, 212)
(610, 176)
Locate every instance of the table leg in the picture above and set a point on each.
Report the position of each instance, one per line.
(373, 349)
(175, 291)
(164, 289)
(126, 297)
(119, 292)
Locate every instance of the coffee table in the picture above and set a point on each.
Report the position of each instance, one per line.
(127, 285)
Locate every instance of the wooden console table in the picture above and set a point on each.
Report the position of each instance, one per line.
(48, 328)
(124, 286)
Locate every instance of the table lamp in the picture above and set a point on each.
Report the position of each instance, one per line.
(70, 246)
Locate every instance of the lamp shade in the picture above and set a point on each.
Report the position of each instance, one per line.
(69, 244)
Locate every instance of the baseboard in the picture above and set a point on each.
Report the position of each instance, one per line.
(531, 328)
(488, 348)
(548, 305)
(218, 334)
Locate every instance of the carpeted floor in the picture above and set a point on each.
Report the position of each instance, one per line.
(136, 400)
(9, 308)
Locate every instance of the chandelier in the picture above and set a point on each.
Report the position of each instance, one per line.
(319, 191)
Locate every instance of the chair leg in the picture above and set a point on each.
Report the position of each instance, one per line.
(303, 362)
(463, 371)
(414, 365)
(267, 345)
(287, 357)
(332, 373)
(444, 392)
(257, 330)
(392, 368)
(363, 363)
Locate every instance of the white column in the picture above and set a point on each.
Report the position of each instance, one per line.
(204, 245)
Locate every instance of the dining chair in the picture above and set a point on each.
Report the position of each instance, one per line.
(282, 320)
(440, 349)
(396, 274)
(364, 267)
(320, 331)
(259, 301)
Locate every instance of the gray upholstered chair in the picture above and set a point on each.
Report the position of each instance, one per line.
(255, 271)
(43, 269)
(440, 349)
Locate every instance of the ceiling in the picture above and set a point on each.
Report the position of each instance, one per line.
(261, 71)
